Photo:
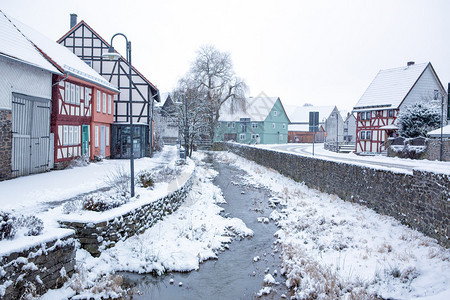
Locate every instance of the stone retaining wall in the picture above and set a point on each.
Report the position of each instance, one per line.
(34, 271)
(95, 237)
(5, 144)
(420, 200)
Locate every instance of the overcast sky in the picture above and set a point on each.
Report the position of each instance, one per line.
(318, 52)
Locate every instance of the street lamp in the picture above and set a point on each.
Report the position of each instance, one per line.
(442, 124)
(113, 55)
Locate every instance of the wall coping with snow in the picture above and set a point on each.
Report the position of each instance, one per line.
(34, 269)
(100, 230)
(419, 200)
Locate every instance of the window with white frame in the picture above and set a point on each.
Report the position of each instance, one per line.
(104, 103)
(70, 135)
(363, 135)
(107, 135)
(281, 137)
(228, 124)
(363, 115)
(232, 124)
(73, 94)
(254, 125)
(283, 126)
(368, 135)
(242, 136)
(109, 104)
(67, 92)
(390, 113)
(275, 113)
(96, 136)
(86, 96)
(77, 94)
(99, 99)
(255, 136)
(368, 115)
(273, 125)
(65, 135)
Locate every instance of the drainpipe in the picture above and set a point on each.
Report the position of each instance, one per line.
(67, 75)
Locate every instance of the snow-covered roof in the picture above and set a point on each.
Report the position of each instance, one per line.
(390, 87)
(299, 114)
(61, 56)
(257, 109)
(437, 132)
(15, 45)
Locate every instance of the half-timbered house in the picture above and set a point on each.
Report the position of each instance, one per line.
(390, 93)
(89, 46)
(82, 110)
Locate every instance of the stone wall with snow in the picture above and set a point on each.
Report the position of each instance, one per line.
(419, 200)
(95, 237)
(35, 270)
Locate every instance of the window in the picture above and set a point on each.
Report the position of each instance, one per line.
(363, 135)
(76, 135)
(436, 94)
(281, 137)
(363, 116)
(77, 95)
(242, 136)
(368, 115)
(254, 125)
(273, 125)
(107, 135)
(255, 136)
(283, 126)
(232, 124)
(98, 100)
(72, 94)
(86, 96)
(67, 92)
(109, 104)
(65, 135)
(275, 113)
(368, 135)
(70, 135)
(96, 136)
(390, 113)
(104, 103)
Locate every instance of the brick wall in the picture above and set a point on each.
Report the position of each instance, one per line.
(419, 200)
(5, 144)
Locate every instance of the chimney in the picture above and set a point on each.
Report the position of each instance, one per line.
(409, 63)
(73, 20)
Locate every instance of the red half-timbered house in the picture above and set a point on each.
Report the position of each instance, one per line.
(89, 46)
(390, 93)
(77, 125)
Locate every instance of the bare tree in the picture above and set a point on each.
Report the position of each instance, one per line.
(212, 72)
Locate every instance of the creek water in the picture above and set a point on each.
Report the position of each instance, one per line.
(235, 274)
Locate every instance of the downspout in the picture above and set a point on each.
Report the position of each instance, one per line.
(67, 75)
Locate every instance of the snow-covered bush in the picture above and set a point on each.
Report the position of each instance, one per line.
(105, 201)
(72, 206)
(166, 174)
(7, 230)
(31, 224)
(80, 161)
(145, 179)
(418, 119)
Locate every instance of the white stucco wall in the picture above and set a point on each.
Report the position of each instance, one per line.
(22, 78)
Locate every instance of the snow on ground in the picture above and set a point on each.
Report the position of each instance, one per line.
(336, 248)
(180, 242)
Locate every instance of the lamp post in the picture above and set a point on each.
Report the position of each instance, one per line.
(442, 125)
(113, 55)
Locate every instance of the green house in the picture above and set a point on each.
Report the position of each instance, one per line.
(263, 121)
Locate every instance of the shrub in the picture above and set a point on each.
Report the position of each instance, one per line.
(145, 179)
(105, 201)
(33, 224)
(119, 179)
(166, 174)
(7, 230)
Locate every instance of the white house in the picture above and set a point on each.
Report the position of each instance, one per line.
(390, 93)
(25, 104)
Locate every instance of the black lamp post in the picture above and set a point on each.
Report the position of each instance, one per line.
(113, 55)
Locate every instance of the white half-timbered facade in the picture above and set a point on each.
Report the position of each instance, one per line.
(89, 46)
(390, 93)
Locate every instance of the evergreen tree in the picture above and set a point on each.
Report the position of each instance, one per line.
(418, 119)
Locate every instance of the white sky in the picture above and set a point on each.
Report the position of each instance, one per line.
(320, 52)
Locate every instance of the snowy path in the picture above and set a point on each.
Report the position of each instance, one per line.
(40, 192)
(390, 163)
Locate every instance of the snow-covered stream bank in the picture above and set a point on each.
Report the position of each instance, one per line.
(337, 249)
